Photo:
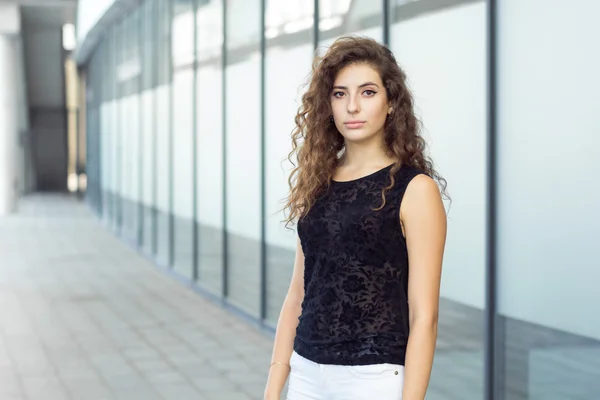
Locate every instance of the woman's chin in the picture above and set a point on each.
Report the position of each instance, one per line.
(357, 135)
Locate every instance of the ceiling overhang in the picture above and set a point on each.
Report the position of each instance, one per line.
(114, 12)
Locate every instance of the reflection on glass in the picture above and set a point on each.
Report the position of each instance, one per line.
(243, 23)
(243, 151)
(209, 145)
(148, 124)
(209, 27)
(548, 227)
(346, 17)
(450, 101)
(182, 45)
(283, 91)
(285, 17)
(163, 133)
(332, 13)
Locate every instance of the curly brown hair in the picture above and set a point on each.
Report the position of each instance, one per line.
(316, 141)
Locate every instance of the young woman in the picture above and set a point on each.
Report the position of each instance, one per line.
(360, 317)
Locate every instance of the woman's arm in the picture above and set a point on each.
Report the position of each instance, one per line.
(286, 329)
(424, 220)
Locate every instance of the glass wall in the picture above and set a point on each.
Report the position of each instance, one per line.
(94, 155)
(116, 126)
(130, 73)
(187, 159)
(148, 126)
(163, 135)
(243, 154)
(182, 57)
(450, 99)
(110, 127)
(290, 42)
(548, 217)
(209, 146)
(98, 86)
(342, 17)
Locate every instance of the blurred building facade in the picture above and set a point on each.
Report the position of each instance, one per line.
(37, 109)
(188, 105)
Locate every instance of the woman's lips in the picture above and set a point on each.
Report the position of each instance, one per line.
(354, 124)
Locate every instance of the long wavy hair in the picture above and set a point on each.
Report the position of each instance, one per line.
(317, 143)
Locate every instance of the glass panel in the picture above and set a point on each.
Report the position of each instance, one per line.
(118, 125)
(148, 123)
(349, 17)
(548, 215)
(125, 135)
(182, 44)
(183, 145)
(290, 28)
(284, 19)
(243, 153)
(89, 112)
(128, 70)
(133, 99)
(451, 101)
(209, 156)
(105, 131)
(113, 123)
(163, 134)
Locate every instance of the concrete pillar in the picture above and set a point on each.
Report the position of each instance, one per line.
(9, 145)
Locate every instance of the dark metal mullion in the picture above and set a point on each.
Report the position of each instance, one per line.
(263, 207)
(224, 151)
(316, 18)
(195, 233)
(490, 372)
(386, 22)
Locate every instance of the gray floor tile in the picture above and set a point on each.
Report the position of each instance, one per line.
(86, 317)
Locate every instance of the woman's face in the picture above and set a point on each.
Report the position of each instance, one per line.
(359, 103)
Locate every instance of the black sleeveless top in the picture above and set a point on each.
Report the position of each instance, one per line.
(355, 307)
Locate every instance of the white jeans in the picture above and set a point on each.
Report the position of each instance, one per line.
(312, 381)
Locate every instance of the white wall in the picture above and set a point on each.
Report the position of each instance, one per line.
(549, 141)
(9, 121)
(443, 55)
(10, 18)
(13, 107)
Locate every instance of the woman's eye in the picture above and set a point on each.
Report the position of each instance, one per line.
(369, 92)
(338, 94)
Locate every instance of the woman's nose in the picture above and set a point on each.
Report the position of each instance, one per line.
(353, 105)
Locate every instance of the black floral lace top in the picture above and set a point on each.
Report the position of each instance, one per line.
(355, 307)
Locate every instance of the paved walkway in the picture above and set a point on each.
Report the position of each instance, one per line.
(83, 316)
